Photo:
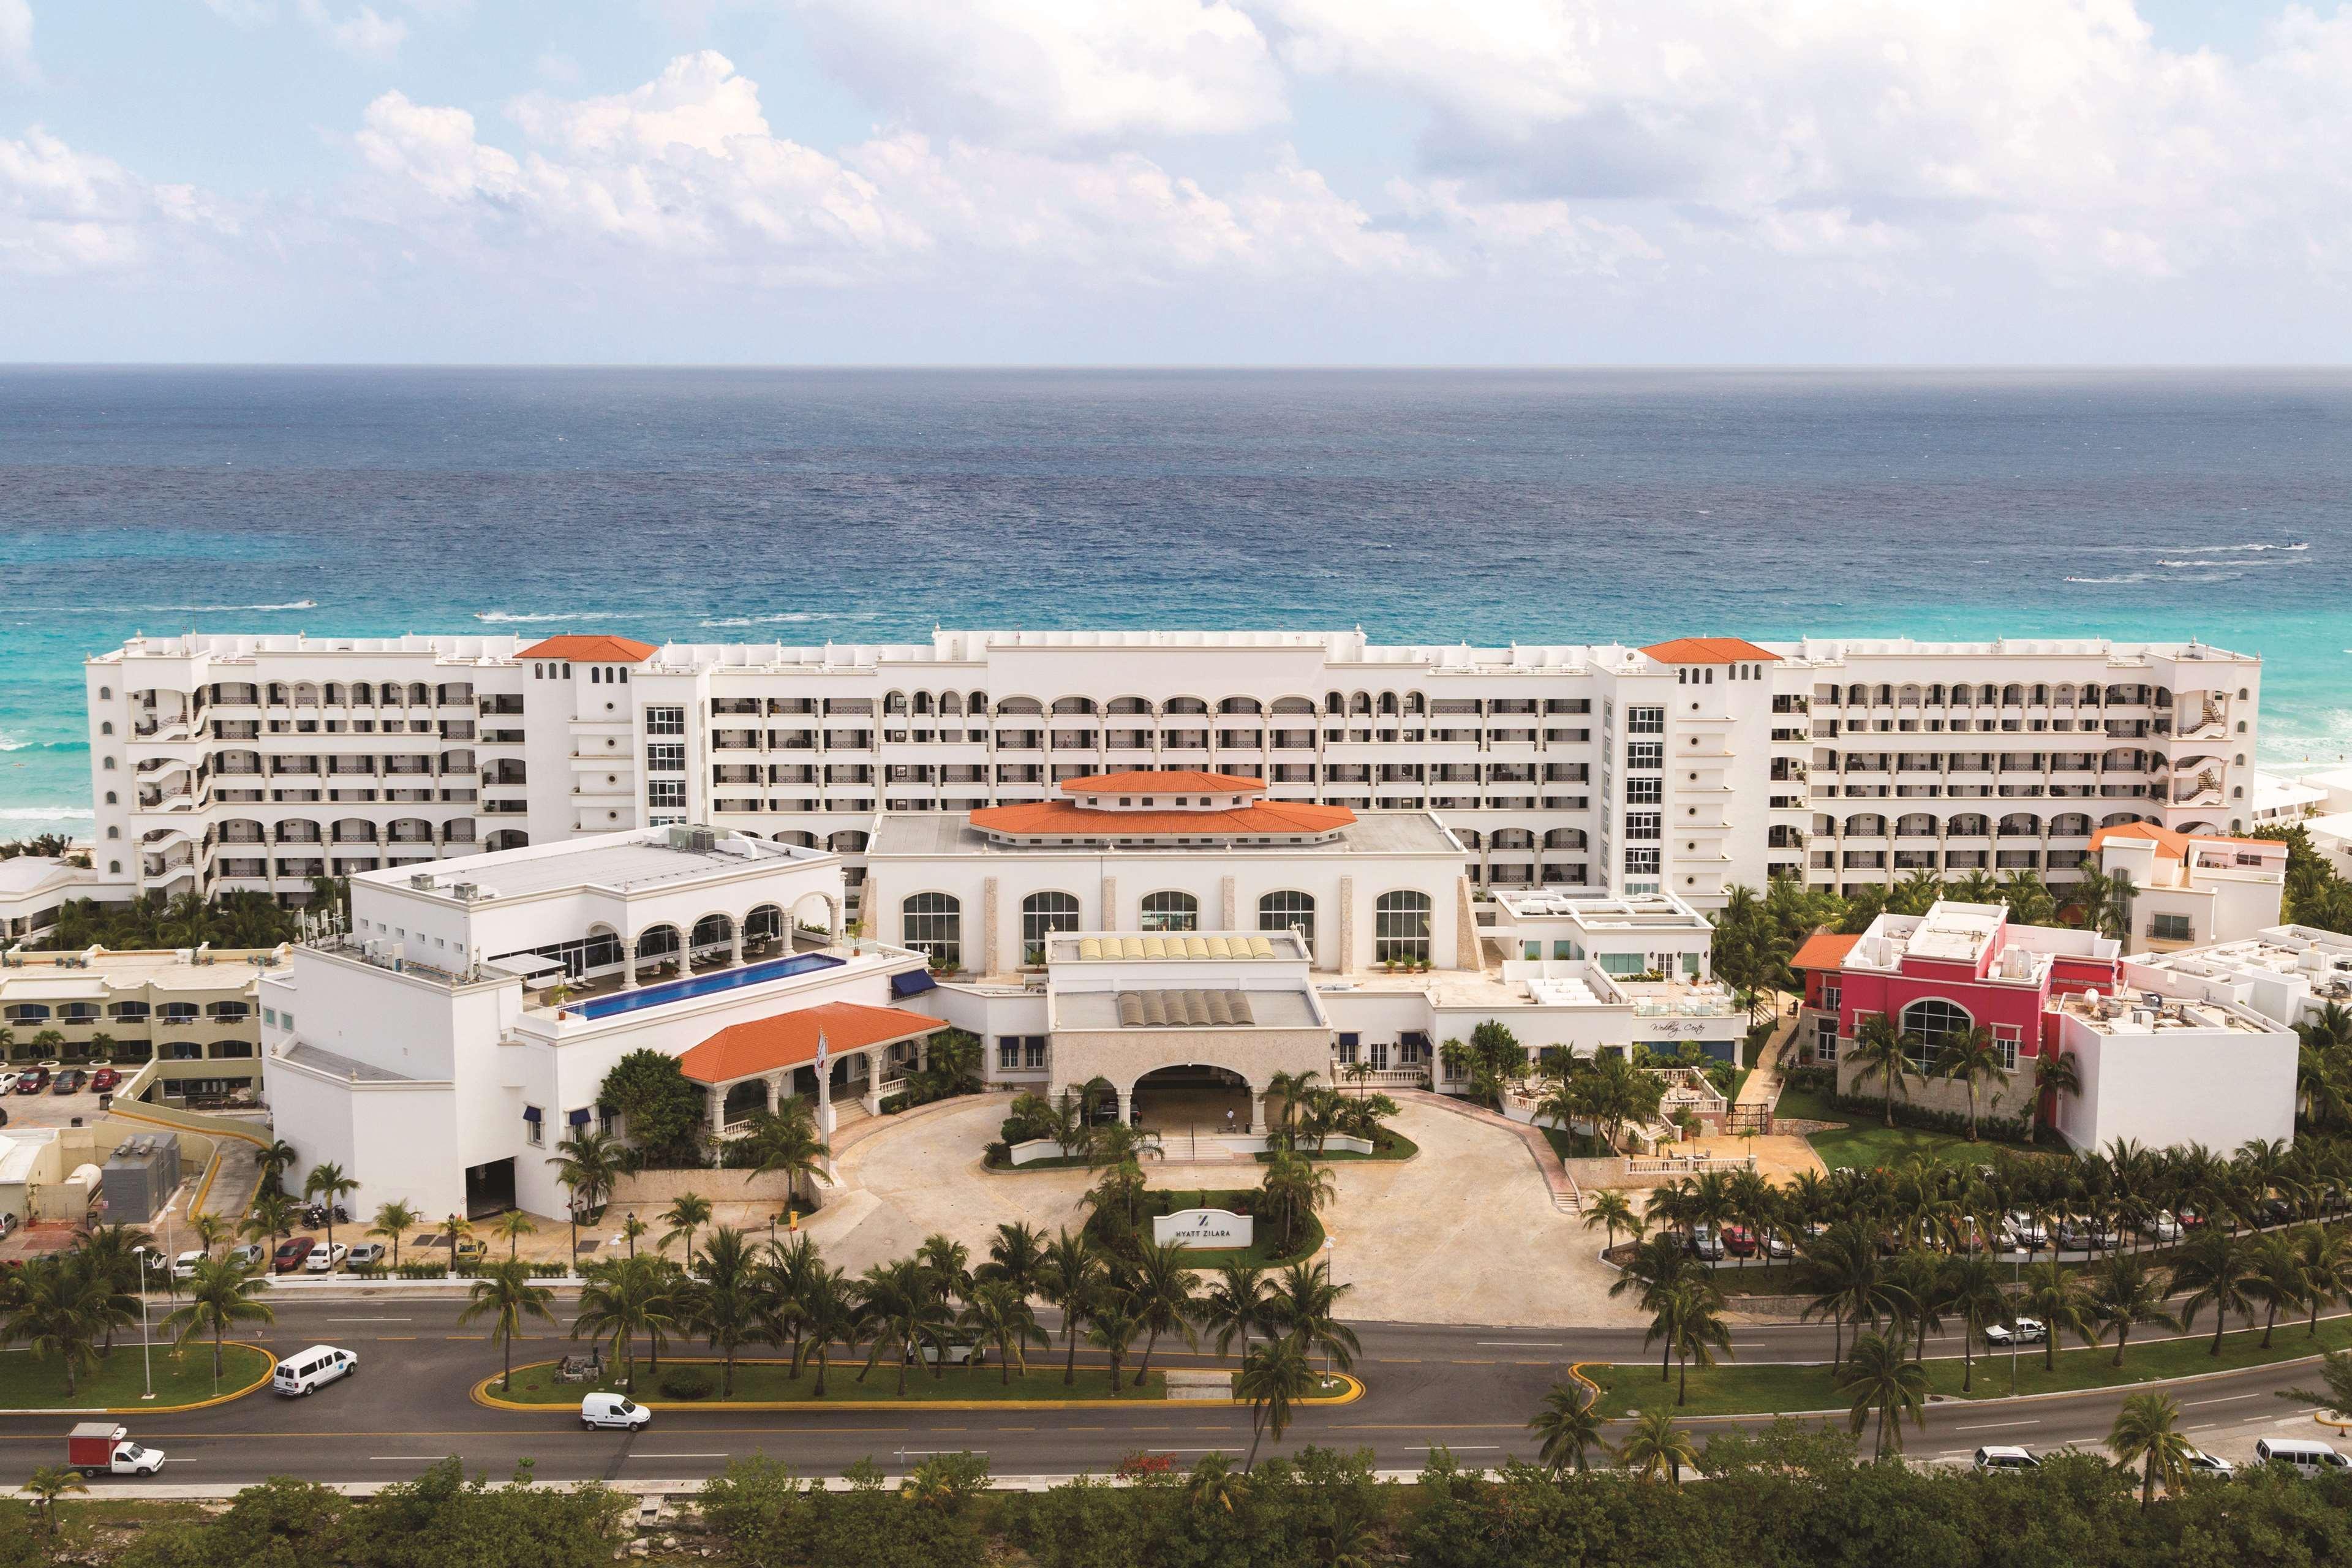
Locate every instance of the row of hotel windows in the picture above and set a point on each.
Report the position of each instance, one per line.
(1626, 965)
(123, 1013)
(932, 924)
(598, 674)
(1932, 1021)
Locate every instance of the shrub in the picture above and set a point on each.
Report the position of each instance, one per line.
(424, 1271)
(997, 1156)
(688, 1382)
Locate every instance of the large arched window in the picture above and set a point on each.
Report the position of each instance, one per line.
(932, 924)
(1281, 911)
(1041, 915)
(1170, 911)
(1400, 927)
(1933, 1021)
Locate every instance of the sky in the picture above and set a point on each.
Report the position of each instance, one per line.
(1230, 182)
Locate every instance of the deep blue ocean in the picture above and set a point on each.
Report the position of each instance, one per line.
(869, 506)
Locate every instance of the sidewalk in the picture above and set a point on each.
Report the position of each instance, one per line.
(1763, 1085)
(1565, 1195)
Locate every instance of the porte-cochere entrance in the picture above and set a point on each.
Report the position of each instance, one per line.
(1191, 1097)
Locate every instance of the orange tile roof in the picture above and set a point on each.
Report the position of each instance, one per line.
(2171, 840)
(1144, 781)
(1824, 950)
(789, 1040)
(1058, 818)
(1707, 650)
(591, 649)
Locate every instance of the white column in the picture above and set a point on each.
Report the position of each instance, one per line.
(735, 942)
(775, 1083)
(824, 1101)
(628, 963)
(718, 1094)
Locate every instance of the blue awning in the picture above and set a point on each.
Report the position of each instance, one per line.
(579, 1119)
(912, 983)
(531, 1113)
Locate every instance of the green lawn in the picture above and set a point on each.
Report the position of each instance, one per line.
(1868, 1142)
(773, 1381)
(1732, 1389)
(1306, 1235)
(182, 1377)
(1389, 1146)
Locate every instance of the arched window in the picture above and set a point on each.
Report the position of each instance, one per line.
(1280, 912)
(1400, 926)
(1170, 911)
(932, 924)
(1041, 915)
(1934, 1022)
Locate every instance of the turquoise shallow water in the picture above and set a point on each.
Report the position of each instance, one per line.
(1423, 506)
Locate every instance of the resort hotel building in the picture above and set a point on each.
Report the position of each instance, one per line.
(223, 762)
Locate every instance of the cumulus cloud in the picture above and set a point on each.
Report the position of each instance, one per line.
(1039, 73)
(16, 38)
(364, 34)
(66, 211)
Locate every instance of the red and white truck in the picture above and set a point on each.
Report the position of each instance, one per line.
(101, 1448)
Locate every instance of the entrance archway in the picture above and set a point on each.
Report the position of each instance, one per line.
(1191, 1097)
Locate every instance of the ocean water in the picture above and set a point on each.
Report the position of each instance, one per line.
(1423, 506)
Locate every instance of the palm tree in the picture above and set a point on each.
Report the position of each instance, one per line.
(2276, 1278)
(460, 1228)
(1165, 1297)
(60, 1310)
(1238, 1303)
(1882, 1051)
(2055, 1294)
(1272, 1378)
(275, 1161)
(726, 1306)
(1304, 1306)
(1073, 1274)
(1687, 1321)
(787, 1140)
(828, 1310)
(1656, 1448)
(1972, 1289)
(2147, 1432)
(2325, 1254)
(503, 1293)
(586, 1165)
(1290, 1088)
(947, 1262)
(632, 1228)
(1615, 1210)
(1114, 1325)
(219, 1294)
(2124, 1295)
(1212, 1487)
(211, 1230)
(1973, 1059)
(49, 1483)
(327, 1186)
(1879, 1378)
(270, 1219)
(1841, 1270)
(1292, 1186)
(621, 1299)
(688, 1215)
(514, 1225)
(2214, 1269)
(394, 1220)
(903, 1313)
(1000, 1316)
(1017, 1256)
(2054, 1074)
(1570, 1425)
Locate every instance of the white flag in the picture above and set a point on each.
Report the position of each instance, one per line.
(823, 1050)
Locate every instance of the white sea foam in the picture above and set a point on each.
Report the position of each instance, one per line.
(524, 619)
(43, 813)
(791, 619)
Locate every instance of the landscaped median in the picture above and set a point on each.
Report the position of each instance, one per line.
(1731, 1389)
(184, 1379)
(769, 1384)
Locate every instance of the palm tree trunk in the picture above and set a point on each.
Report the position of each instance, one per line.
(1837, 1341)
(2221, 1321)
(727, 1384)
(2148, 1482)
(1682, 1383)
(823, 1361)
(902, 1375)
(506, 1381)
(1666, 1360)
(1968, 1362)
(1005, 1354)
(216, 1355)
(2268, 1323)
(1070, 1339)
(2123, 1334)
(1144, 1367)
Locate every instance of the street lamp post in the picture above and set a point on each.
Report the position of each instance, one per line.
(146, 1338)
(1331, 1276)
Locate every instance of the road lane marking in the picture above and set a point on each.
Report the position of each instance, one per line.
(1998, 1426)
(642, 1455)
(1516, 1345)
(395, 1459)
(370, 1319)
(2225, 1399)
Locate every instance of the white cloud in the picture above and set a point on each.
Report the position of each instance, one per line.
(64, 211)
(1041, 73)
(365, 34)
(16, 38)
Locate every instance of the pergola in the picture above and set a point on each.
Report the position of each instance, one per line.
(768, 1049)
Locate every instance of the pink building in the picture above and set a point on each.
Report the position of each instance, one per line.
(1942, 974)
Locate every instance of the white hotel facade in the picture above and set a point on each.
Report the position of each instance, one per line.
(224, 762)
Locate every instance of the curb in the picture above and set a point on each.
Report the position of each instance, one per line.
(480, 1395)
(269, 1364)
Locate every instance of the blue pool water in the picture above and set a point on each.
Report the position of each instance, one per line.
(704, 984)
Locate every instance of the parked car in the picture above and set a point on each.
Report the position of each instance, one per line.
(613, 1410)
(1739, 1241)
(2204, 1464)
(366, 1255)
(307, 1372)
(1776, 1245)
(1705, 1244)
(248, 1254)
(70, 1081)
(8, 1082)
(32, 1081)
(2028, 1331)
(2189, 1220)
(184, 1265)
(2020, 1232)
(104, 1080)
(961, 1353)
(2273, 1211)
(323, 1257)
(292, 1254)
(2164, 1227)
(2073, 1236)
(2004, 1456)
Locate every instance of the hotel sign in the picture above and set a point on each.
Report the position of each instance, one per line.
(1203, 1228)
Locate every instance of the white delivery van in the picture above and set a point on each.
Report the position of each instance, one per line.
(2309, 1458)
(307, 1372)
(613, 1410)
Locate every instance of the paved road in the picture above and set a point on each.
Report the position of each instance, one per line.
(1470, 1388)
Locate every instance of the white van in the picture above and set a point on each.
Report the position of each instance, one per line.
(307, 1372)
(2309, 1458)
(613, 1410)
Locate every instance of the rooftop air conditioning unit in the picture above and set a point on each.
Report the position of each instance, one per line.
(465, 892)
(421, 879)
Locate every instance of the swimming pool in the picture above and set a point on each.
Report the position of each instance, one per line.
(704, 984)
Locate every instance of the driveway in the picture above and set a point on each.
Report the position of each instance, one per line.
(1465, 1233)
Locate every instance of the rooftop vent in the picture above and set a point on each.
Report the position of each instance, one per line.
(699, 840)
(421, 879)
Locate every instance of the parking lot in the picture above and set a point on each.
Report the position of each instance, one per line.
(48, 1107)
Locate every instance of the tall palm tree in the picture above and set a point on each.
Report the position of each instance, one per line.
(1569, 1426)
(725, 1307)
(2325, 1254)
(2124, 1295)
(947, 1263)
(1112, 1327)
(2147, 1432)
(2215, 1269)
(2276, 1278)
(1293, 1186)
(1657, 1448)
(2054, 1074)
(1016, 1256)
(220, 1293)
(1972, 1291)
(1290, 1088)
(1612, 1209)
(828, 1302)
(2029, 899)
(2055, 1294)
(1688, 1322)
(504, 1294)
(586, 1165)
(999, 1315)
(327, 1186)
(1303, 1305)
(392, 1221)
(784, 1282)
(1237, 1304)
(1072, 1277)
(60, 1311)
(902, 1313)
(1165, 1295)
(1842, 1271)
(689, 1212)
(1883, 1051)
(275, 1159)
(1880, 1379)
(270, 1219)
(514, 1225)
(621, 1299)
(1274, 1377)
(1974, 1060)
